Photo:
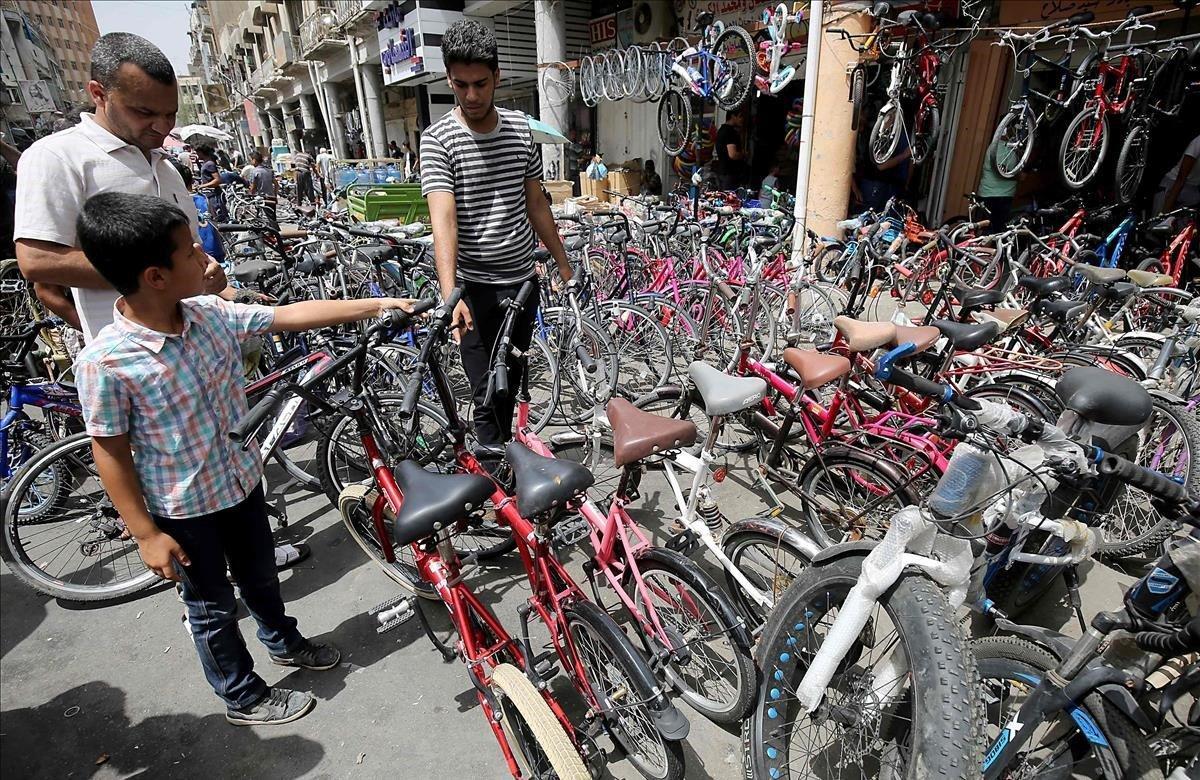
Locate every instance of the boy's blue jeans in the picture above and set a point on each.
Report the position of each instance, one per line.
(241, 537)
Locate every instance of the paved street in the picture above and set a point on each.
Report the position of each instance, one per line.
(116, 691)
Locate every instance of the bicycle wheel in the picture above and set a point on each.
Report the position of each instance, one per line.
(735, 69)
(624, 689)
(710, 668)
(78, 549)
(632, 78)
(355, 505)
(924, 139)
(674, 121)
(589, 87)
(558, 83)
(43, 494)
(542, 746)
(1084, 145)
(1013, 141)
(641, 346)
(1083, 741)
(768, 561)
(682, 330)
(1131, 163)
(612, 65)
(920, 723)
(829, 263)
(886, 132)
(858, 90)
(1169, 444)
(580, 391)
(847, 496)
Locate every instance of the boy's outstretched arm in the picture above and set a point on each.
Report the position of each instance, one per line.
(307, 315)
(114, 463)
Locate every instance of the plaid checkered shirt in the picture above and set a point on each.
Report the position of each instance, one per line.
(177, 396)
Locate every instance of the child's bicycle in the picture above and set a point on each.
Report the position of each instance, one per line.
(774, 44)
(412, 506)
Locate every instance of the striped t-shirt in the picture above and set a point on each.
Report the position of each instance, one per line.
(487, 173)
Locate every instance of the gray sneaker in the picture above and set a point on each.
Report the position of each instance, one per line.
(310, 655)
(279, 706)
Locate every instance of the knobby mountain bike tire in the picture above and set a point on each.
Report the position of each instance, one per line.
(1008, 666)
(934, 724)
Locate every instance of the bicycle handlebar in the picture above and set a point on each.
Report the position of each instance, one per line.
(886, 371)
(437, 329)
(1148, 480)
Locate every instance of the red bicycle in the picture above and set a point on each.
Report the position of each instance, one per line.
(411, 506)
(1177, 252)
(1088, 135)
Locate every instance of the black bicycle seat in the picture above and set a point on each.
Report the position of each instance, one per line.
(973, 298)
(1044, 287)
(967, 336)
(378, 254)
(1058, 310)
(435, 501)
(253, 270)
(544, 483)
(1103, 397)
(1119, 291)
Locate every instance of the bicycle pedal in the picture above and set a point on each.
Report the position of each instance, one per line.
(684, 542)
(396, 616)
(570, 531)
(393, 601)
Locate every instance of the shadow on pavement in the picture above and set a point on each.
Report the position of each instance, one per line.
(43, 742)
(23, 610)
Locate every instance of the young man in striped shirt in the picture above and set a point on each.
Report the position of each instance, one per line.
(481, 173)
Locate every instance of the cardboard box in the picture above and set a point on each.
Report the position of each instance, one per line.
(625, 181)
(593, 187)
(559, 190)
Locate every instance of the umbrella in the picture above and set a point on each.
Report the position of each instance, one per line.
(545, 134)
(191, 132)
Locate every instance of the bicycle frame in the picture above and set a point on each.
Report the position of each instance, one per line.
(49, 396)
(1116, 239)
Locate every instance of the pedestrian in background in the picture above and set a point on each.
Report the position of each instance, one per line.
(210, 183)
(305, 192)
(262, 184)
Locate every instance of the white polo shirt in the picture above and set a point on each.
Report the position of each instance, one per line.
(60, 172)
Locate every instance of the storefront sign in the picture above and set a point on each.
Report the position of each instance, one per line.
(739, 12)
(603, 31)
(410, 41)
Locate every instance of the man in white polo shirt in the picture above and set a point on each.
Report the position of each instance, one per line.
(119, 150)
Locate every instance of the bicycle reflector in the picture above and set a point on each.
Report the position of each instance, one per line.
(719, 473)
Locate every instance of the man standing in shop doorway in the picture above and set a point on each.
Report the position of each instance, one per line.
(481, 173)
(730, 157)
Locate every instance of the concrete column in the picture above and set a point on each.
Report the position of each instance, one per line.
(292, 126)
(550, 27)
(309, 112)
(275, 123)
(833, 140)
(372, 80)
(333, 100)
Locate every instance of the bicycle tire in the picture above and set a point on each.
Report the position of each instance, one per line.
(732, 87)
(945, 737)
(1011, 659)
(638, 682)
(674, 121)
(24, 566)
(739, 546)
(1131, 163)
(1024, 129)
(925, 134)
(509, 684)
(700, 598)
(575, 404)
(857, 463)
(23, 444)
(1078, 179)
(354, 506)
(885, 133)
(858, 91)
(641, 347)
(681, 328)
(829, 263)
(1146, 537)
(589, 89)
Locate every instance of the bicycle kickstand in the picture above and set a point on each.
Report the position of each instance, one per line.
(777, 506)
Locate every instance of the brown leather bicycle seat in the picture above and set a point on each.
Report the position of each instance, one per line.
(288, 234)
(814, 368)
(864, 336)
(638, 434)
(921, 336)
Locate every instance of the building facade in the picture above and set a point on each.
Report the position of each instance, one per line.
(69, 28)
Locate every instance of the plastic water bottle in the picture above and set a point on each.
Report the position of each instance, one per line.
(965, 477)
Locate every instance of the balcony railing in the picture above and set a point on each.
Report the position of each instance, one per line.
(348, 11)
(319, 27)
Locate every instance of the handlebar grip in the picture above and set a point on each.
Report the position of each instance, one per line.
(585, 358)
(523, 294)
(1141, 10)
(1083, 17)
(1143, 478)
(245, 428)
(500, 381)
(412, 393)
(1175, 643)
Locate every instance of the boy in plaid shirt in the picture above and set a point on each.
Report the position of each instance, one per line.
(161, 387)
